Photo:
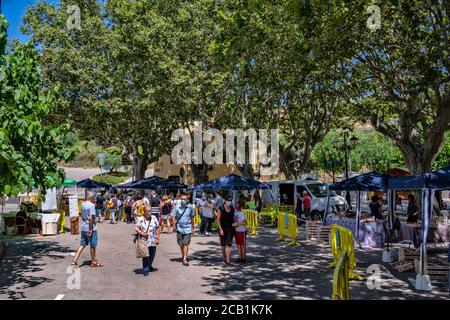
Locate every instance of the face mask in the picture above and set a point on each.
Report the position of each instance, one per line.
(228, 203)
(183, 203)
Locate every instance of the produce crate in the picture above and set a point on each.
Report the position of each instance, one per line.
(325, 233)
(411, 255)
(403, 266)
(313, 230)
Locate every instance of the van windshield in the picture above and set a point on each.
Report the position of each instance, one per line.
(318, 190)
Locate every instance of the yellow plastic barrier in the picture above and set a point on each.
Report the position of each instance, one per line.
(62, 221)
(252, 220)
(123, 215)
(289, 230)
(197, 218)
(266, 214)
(341, 287)
(342, 243)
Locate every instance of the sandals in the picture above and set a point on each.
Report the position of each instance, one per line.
(96, 264)
(74, 264)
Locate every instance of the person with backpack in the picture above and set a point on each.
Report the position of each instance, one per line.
(184, 224)
(138, 208)
(100, 205)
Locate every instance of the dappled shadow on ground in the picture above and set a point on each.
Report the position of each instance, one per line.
(24, 258)
(276, 271)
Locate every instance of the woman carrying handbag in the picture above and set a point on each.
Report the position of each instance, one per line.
(147, 228)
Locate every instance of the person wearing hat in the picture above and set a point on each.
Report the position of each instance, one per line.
(88, 230)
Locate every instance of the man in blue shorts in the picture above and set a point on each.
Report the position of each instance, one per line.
(88, 230)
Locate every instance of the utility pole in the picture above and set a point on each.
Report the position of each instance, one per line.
(346, 150)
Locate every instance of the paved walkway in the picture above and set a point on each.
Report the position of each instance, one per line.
(36, 268)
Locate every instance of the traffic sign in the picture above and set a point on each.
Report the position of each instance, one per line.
(101, 158)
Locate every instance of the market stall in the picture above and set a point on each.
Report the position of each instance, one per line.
(368, 232)
(426, 184)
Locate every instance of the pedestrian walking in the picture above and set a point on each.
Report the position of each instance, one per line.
(240, 235)
(121, 207)
(155, 202)
(113, 207)
(89, 235)
(218, 200)
(100, 205)
(129, 204)
(184, 224)
(299, 207)
(138, 208)
(148, 229)
(208, 207)
(225, 220)
(166, 209)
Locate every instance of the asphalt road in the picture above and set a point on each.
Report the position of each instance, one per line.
(81, 173)
(39, 268)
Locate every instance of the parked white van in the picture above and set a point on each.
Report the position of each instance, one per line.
(286, 192)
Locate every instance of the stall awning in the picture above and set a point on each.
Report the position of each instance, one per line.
(371, 181)
(438, 179)
(408, 183)
(69, 183)
(232, 182)
(92, 184)
(153, 182)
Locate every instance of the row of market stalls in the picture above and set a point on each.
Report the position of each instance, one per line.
(425, 184)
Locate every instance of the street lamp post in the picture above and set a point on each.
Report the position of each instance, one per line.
(347, 144)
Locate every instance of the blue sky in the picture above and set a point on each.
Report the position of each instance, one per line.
(14, 11)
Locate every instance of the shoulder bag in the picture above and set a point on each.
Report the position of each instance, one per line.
(141, 245)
